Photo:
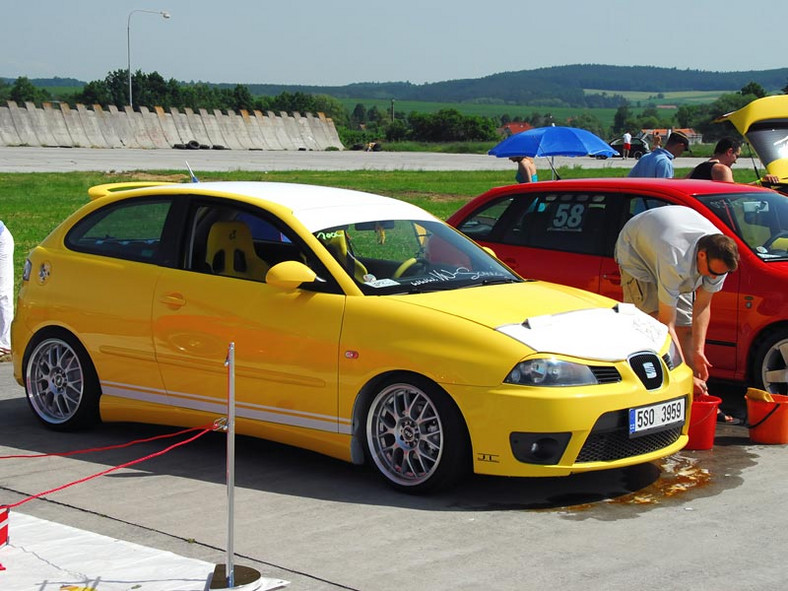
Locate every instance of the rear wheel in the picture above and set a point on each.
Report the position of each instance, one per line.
(415, 436)
(771, 363)
(61, 383)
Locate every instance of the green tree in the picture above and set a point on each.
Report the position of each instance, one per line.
(588, 122)
(23, 90)
(753, 88)
(622, 118)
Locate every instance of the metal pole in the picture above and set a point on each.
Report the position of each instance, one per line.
(128, 53)
(230, 465)
(165, 15)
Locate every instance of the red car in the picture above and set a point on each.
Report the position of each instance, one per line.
(564, 231)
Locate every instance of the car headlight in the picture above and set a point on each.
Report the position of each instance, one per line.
(550, 372)
(673, 357)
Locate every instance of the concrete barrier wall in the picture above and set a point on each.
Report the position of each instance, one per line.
(94, 127)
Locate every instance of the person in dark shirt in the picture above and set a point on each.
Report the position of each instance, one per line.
(718, 167)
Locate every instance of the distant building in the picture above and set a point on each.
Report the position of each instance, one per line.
(514, 127)
(694, 136)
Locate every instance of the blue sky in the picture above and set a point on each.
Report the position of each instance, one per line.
(345, 41)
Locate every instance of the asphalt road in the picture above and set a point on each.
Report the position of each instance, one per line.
(83, 159)
(713, 519)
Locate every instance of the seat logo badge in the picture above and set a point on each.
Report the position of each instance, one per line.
(651, 371)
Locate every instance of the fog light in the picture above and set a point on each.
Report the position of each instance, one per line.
(539, 448)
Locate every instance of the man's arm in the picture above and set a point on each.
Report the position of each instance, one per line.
(720, 172)
(667, 316)
(701, 314)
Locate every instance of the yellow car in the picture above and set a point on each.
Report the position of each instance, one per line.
(764, 122)
(363, 328)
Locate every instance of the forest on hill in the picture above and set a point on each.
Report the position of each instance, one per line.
(550, 87)
(543, 87)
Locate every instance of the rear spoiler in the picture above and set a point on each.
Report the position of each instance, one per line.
(103, 190)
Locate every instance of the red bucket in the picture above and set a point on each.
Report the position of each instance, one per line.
(3, 526)
(768, 421)
(703, 422)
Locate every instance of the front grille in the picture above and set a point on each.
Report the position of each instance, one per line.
(648, 369)
(609, 440)
(606, 374)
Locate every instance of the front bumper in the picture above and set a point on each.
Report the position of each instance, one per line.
(525, 431)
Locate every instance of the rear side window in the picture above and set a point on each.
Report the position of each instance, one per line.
(130, 230)
(481, 224)
(570, 222)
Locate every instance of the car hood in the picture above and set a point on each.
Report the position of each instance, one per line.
(554, 319)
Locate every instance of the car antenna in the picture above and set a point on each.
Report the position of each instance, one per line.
(191, 172)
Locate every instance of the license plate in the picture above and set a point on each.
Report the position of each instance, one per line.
(656, 417)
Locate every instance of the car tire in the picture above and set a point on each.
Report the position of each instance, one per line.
(637, 155)
(60, 382)
(770, 367)
(415, 436)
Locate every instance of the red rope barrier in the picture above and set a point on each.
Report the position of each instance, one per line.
(118, 446)
(205, 430)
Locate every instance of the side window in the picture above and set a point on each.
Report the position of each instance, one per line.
(130, 230)
(243, 243)
(480, 225)
(639, 204)
(570, 222)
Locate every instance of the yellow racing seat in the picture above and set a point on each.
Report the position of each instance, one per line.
(337, 245)
(230, 251)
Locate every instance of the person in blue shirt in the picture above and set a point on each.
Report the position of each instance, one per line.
(659, 163)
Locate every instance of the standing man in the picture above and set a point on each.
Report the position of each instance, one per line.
(718, 167)
(659, 163)
(672, 261)
(627, 144)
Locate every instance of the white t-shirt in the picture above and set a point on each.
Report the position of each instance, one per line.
(660, 246)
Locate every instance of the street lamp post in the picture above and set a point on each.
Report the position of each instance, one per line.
(164, 14)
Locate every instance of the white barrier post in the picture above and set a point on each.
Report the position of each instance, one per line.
(230, 465)
(249, 579)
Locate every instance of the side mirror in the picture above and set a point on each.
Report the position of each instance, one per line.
(288, 275)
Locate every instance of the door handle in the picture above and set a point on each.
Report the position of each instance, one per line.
(614, 278)
(173, 300)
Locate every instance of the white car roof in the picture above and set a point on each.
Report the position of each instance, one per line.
(318, 207)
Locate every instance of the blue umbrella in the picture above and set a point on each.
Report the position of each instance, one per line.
(552, 141)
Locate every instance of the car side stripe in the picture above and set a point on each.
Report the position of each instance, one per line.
(244, 410)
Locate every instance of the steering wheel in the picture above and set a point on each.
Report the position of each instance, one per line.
(407, 265)
(770, 241)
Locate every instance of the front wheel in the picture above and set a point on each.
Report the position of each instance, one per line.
(771, 363)
(61, 383)
(416, 437)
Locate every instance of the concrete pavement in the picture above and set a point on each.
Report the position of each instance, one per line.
(30, 159)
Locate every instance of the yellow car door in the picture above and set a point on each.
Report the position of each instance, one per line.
(286, 352)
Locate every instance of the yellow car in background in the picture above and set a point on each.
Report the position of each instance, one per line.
(764, 122)
(363, 327)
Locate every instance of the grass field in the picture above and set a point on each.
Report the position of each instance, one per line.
(690, 97)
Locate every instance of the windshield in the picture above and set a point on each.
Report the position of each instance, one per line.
(396, 256)
(770, 140)
(760, 219)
